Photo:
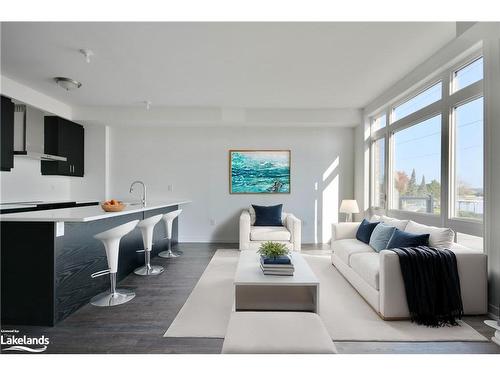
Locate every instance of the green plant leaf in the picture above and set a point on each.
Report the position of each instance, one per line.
(273, 249)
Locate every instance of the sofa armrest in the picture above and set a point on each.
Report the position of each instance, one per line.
(294, 226)
(393, 303)
(472, 270)
(245, 230)
(342, 231)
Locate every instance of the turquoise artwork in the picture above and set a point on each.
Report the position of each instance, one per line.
(259, 172)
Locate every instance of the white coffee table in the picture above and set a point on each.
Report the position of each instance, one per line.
(255, 291)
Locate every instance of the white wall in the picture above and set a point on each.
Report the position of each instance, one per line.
(194, 160)
(26, 183)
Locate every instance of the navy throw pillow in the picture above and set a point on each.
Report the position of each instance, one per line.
(365, 231)
(401, 238)
(268, 215)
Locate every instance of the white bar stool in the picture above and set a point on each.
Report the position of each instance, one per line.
(111, 240)
(168, 219)
(147, 226)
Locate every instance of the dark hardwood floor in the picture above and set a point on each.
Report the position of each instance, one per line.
(138, 326)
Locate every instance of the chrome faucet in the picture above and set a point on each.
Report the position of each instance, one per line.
(143, 191)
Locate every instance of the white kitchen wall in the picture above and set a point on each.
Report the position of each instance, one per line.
(193, 161)
(26, 183)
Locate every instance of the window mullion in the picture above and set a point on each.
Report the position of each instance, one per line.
(446, 153)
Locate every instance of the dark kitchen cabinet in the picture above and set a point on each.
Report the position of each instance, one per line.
(7, 134)
(63, 138)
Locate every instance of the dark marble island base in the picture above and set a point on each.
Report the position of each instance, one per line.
(46, 276)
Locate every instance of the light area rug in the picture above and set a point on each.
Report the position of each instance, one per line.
(207, 310)
(346, 315)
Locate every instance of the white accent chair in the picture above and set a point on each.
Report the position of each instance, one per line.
(251, 237)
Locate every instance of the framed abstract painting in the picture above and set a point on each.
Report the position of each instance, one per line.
(259, 171)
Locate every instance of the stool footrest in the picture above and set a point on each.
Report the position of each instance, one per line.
(100, 273)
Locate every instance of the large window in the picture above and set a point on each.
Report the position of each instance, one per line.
(468, 161)
(378, 158)
(426, 97)
(427, 159)
(417, 171)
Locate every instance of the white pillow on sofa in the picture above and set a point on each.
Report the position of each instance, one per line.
(400, 224)
(439, 237)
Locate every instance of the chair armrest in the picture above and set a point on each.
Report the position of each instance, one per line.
(245, 230)
(342, 231)
(294, 226)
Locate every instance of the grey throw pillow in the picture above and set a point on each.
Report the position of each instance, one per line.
(380, 236)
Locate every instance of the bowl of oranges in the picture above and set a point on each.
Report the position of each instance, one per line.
(113, 205)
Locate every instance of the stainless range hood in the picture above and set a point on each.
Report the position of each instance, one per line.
(29, 134)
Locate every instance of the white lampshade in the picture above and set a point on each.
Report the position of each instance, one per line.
(349, 206)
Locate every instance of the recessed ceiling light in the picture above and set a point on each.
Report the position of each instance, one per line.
(88, 54)
(67, 83)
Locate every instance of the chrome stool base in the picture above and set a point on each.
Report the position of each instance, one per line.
(107, 298)
(148, 271)
(168, 254)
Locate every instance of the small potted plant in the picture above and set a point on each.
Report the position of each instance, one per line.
(274, 253)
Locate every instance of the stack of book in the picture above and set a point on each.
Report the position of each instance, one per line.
(281, 266)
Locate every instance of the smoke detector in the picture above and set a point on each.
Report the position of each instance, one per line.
(88, 54)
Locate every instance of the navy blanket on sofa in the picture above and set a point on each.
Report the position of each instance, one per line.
(432, 285)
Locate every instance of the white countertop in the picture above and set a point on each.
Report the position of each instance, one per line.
(86, 213)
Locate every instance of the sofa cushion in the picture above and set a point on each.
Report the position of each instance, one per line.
(269, 233)
(345, 248)
(365, 230)
(367, 266)
(251, 211)
(268, 215)
(381, 236)
(439, 237)
(375, 218)
(401, 238)
(400, 224)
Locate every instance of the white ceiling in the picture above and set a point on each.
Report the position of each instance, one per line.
(271, 65)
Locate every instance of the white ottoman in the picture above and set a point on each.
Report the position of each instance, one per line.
(276, 332)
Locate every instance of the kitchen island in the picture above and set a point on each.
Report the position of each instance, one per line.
(47, 258)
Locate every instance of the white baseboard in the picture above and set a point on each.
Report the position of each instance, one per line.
(206, 240)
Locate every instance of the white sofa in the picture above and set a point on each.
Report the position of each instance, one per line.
(377, 276)
(251, 237)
